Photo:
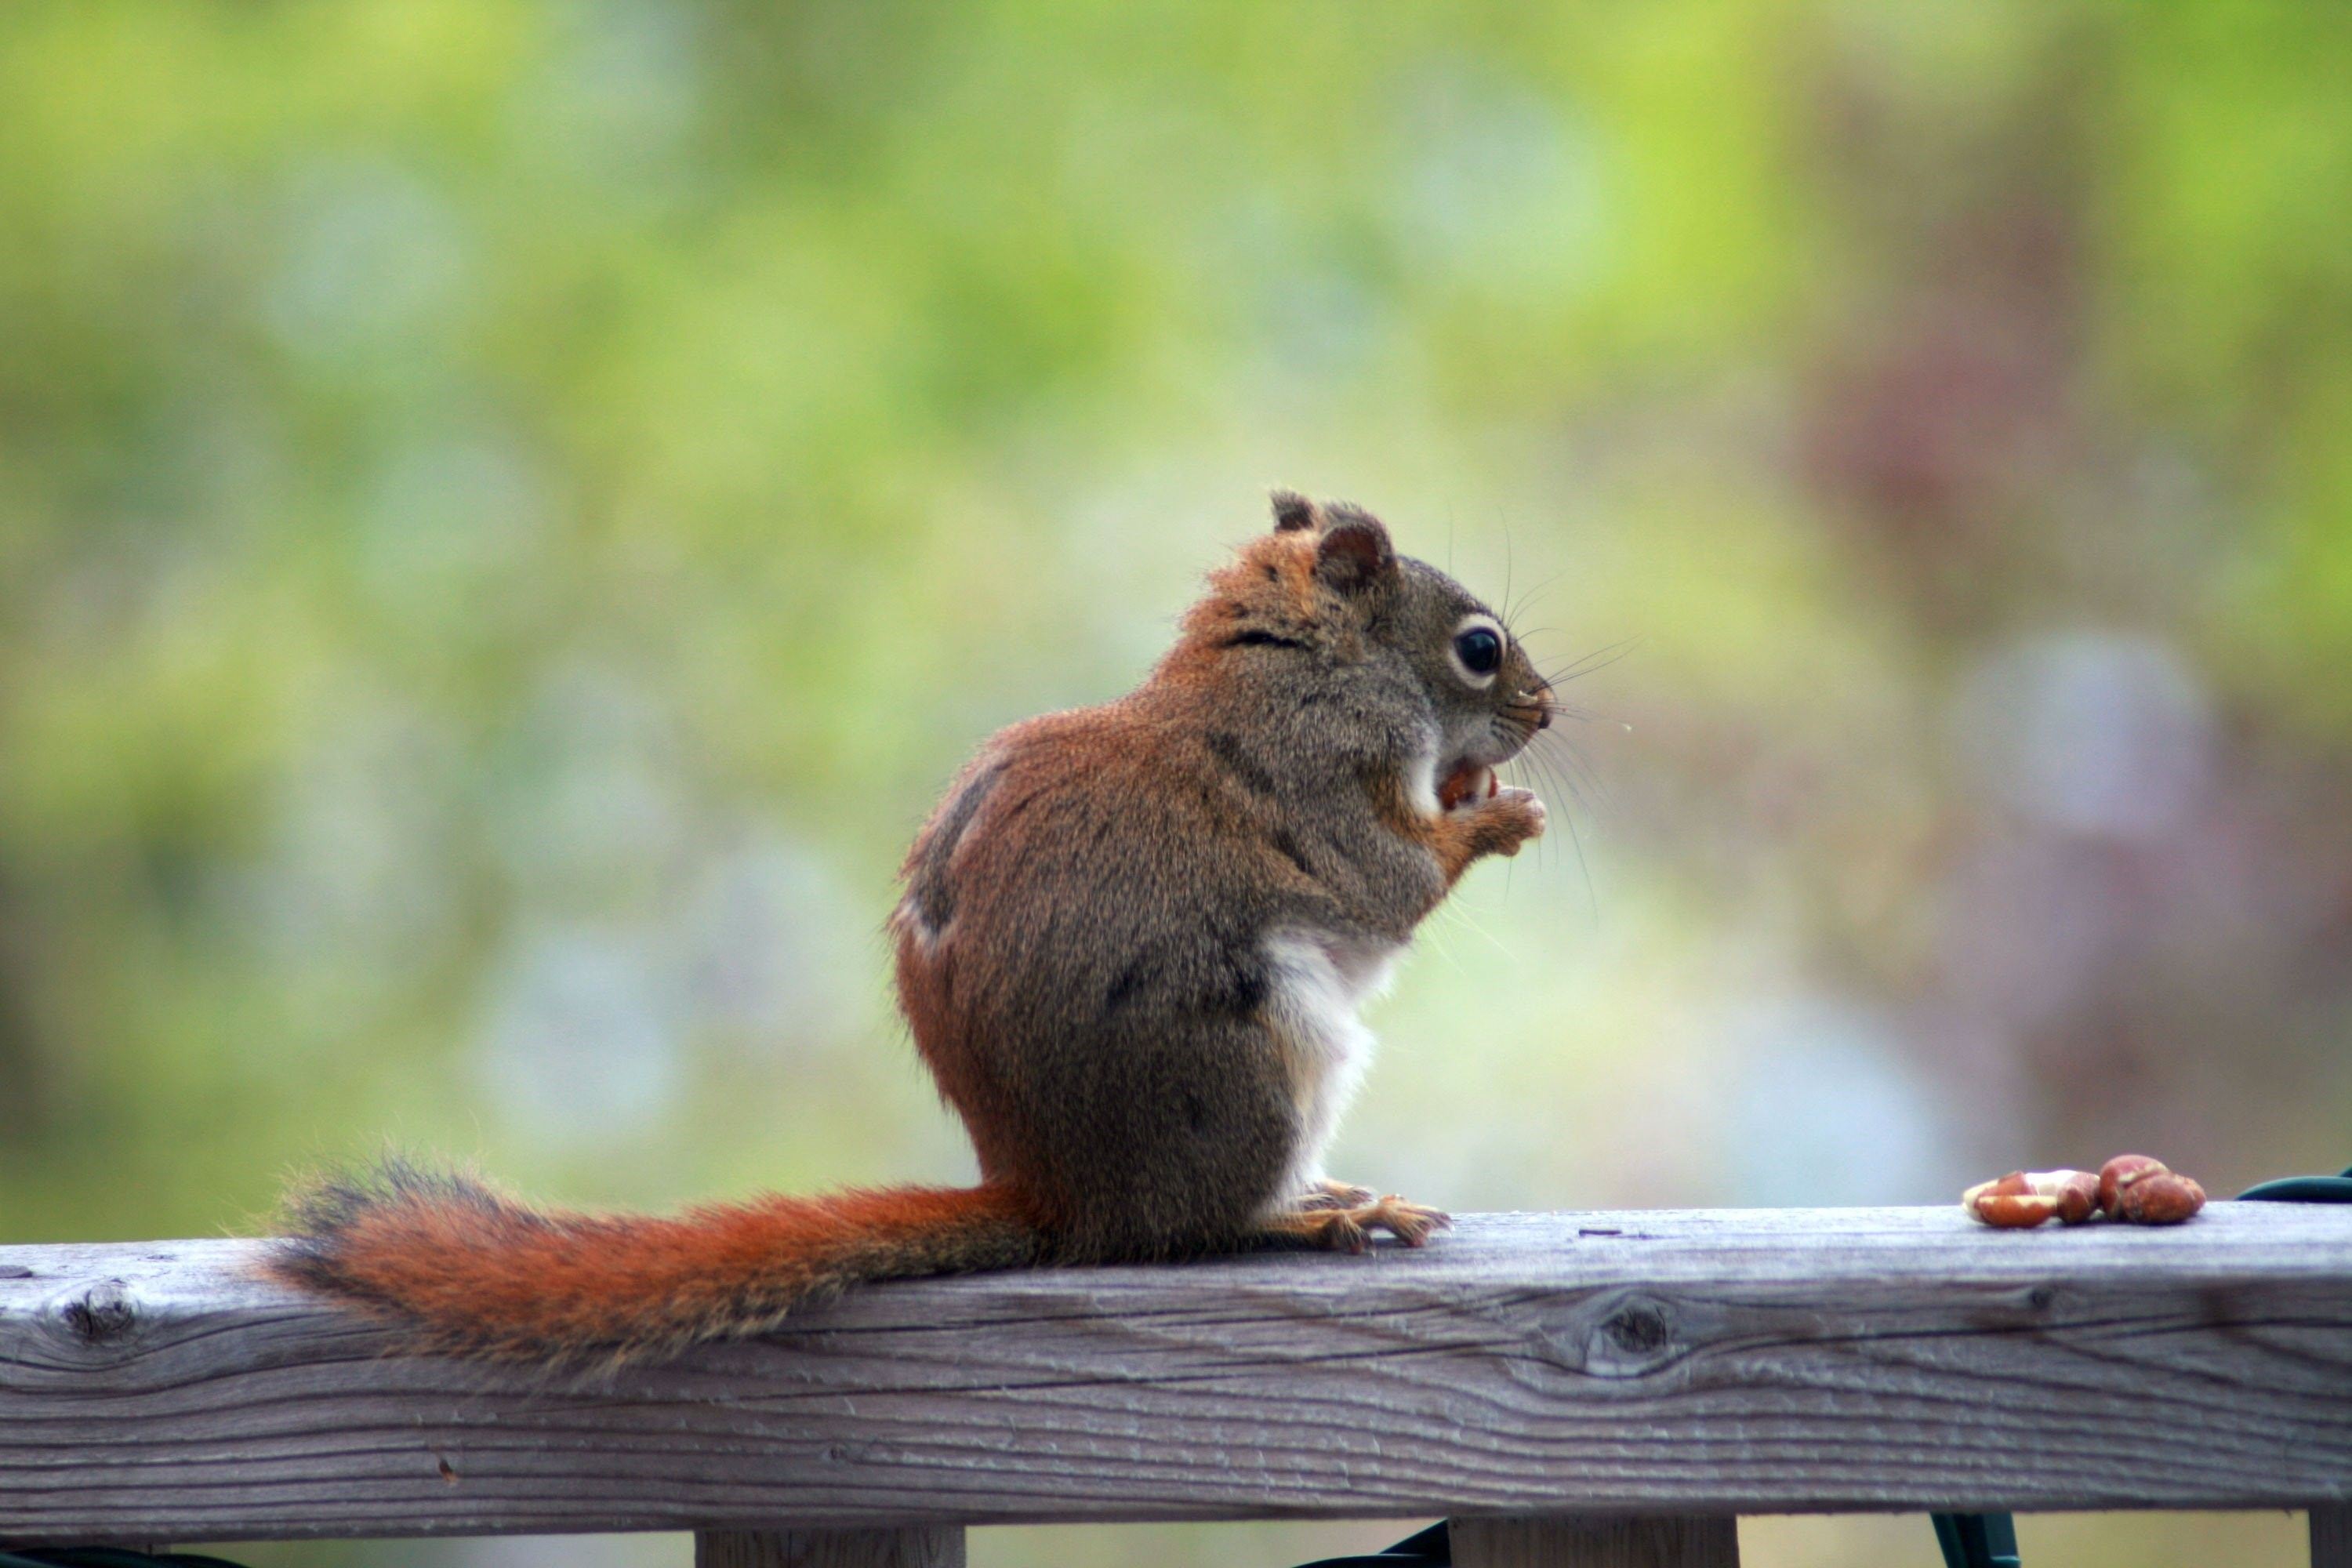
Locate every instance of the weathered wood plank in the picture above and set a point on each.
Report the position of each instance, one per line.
(938, 1546)
(1636, 1541)
(1639, 1362)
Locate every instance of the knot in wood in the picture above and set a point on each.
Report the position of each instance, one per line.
(1638, 1328)
(1634, 1335)
(101, 1314)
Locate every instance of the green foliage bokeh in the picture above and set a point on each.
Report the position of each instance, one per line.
(509, 512)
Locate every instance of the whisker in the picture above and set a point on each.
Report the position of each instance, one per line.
(1560, 710)
(1569, 799)
(1533, 595)
(1547, 766)
(1456, 913)
(1583, 867)
(1581, 779)
(1591, 663)
(1560, 761)
(1509, 567)
(1577, 772)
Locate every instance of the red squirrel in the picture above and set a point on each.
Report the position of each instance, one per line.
(1131, 948)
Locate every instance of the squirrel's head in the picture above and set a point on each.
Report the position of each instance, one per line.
(1326, 585)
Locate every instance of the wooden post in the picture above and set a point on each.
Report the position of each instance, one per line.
(1640, 1540)
(2331, 1537)
(939, 1547)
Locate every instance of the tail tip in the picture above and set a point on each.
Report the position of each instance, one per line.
(320, 1219)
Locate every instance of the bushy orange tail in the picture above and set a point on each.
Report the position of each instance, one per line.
(476, 1273)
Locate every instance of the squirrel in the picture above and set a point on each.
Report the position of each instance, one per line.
(1131, 947)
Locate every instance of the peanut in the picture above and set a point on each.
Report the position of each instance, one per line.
(2120, 1172)
(2023, 1199)
(2160, 1198)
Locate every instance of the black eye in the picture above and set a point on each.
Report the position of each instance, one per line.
(1479, 649)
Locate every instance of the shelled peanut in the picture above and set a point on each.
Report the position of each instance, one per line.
(2142, 1189)
(2134, 1188)
(2026, 1198)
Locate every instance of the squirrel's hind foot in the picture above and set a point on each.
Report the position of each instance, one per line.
(1324, 1223)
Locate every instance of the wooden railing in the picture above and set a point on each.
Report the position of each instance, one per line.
(1571, 1388)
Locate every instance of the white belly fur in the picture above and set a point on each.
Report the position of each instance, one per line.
(1319, 982)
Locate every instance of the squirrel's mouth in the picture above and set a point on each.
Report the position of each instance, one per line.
(1468, 784)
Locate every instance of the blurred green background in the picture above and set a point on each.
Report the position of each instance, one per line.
(509, 512)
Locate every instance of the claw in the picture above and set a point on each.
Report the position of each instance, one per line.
(1333, 1195)
(1410, 1223)
(1342, 1234)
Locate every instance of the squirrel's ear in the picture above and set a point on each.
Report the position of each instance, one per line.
(1354, 553)
(1293, 511)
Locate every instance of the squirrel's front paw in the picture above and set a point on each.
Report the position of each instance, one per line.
(1509, 818)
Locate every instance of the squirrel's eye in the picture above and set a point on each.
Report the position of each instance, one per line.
(1479, 649)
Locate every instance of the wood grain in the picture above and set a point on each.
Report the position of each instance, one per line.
(938, 1546)
(1635, 1362)
(1637, 1541)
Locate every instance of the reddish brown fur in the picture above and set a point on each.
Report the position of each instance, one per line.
(473, 1271)
(1271, 576)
